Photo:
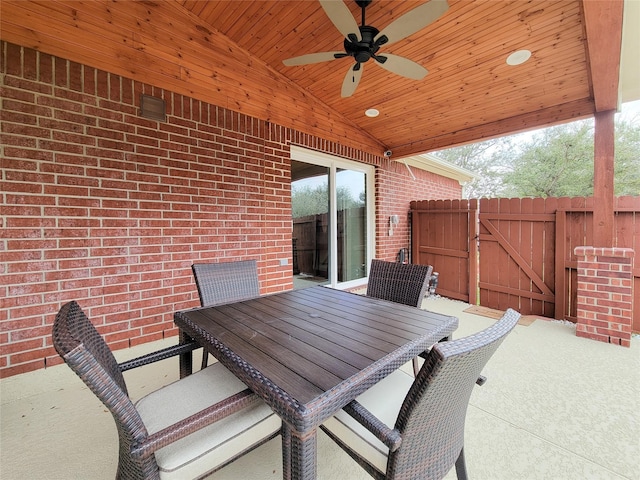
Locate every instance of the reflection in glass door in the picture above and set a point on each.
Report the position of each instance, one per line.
(351, 206)
(332, 231)
(310, 212)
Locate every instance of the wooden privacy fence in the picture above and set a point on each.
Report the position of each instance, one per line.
(516, 252)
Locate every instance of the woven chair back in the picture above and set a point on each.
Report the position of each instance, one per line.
(72, 329)
(84, 350)
(399, 282)
(226, 282)
(432, 417)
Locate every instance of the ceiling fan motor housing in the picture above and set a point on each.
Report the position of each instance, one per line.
(366, 48)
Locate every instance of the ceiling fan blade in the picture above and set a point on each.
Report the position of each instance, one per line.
(351, 81)
(413, 21)
(341, 17)
(312, 58)
(403, 66)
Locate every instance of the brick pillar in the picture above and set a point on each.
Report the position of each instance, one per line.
(605, 294)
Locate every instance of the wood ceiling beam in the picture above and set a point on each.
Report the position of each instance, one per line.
(603, 27)
(567, 112)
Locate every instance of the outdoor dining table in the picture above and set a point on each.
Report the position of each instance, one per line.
(307, 353)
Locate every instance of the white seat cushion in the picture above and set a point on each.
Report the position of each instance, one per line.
(384, 400)
(209, 448)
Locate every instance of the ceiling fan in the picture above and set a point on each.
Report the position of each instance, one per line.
(363, 42)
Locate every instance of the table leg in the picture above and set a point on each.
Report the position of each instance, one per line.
(286, 451)
(299, 454)
(186, 359)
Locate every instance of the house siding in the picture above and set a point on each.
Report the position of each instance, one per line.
(102, 206)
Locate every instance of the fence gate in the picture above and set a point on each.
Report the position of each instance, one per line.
(517, 254)
(444, 234)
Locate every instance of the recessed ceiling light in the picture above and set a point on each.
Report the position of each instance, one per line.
(372, 112)
(518, 57)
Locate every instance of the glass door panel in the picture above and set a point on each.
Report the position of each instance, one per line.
(311, 219)
(351, 209)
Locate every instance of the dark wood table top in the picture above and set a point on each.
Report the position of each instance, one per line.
(309, 352)
(308, 342)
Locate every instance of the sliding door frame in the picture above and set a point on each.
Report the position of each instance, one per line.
(333, 163)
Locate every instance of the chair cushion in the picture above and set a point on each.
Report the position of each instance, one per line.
(211, 447)
(384, 400)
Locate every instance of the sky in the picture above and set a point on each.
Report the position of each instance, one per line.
(630, 111)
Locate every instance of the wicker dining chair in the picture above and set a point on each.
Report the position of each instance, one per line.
(188, 428)
(225, 282)
(427, 413)
(404, 283)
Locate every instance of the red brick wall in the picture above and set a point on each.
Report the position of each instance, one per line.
(605, 294)
(395, 189)
(102, 206)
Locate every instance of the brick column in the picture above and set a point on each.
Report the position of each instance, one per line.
(605, 294)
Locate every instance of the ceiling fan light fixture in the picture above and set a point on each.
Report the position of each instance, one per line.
(518, 57)
(372, 112)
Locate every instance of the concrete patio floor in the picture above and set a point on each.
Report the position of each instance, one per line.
(555, 406)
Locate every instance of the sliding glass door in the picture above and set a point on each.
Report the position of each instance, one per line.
(332, 209)
(310, 212)
(351, 216)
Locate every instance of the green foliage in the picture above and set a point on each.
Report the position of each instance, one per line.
(557, 161)
(627, 164)
(487, 159)
(308, 200)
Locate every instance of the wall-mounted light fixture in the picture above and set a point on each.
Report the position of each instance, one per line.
(394, 220)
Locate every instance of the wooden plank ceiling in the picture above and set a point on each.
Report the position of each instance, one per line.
(230, 53)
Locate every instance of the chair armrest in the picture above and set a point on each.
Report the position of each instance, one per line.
(389, 436)
(159, 355)
(146, 447)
